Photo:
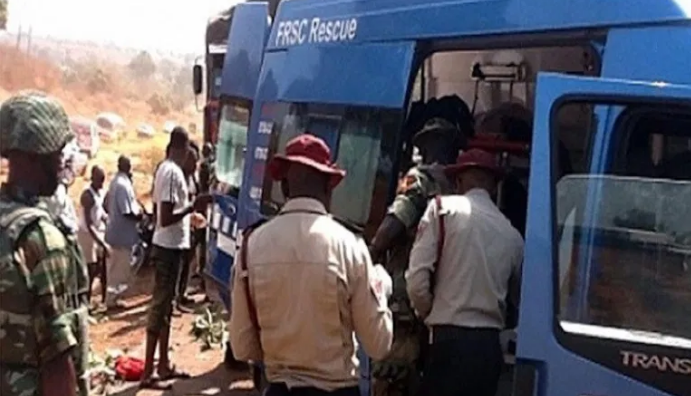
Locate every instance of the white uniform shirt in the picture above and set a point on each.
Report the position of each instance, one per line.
(314, 288)
(482, 250)
(170, 186)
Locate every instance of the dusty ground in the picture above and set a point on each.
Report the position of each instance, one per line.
(125, 330)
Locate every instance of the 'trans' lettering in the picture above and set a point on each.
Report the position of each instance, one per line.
(315, 31)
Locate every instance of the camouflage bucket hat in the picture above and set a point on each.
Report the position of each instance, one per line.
(33, 122)
(436, 127)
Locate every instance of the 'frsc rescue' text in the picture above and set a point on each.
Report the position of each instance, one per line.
(303, 31)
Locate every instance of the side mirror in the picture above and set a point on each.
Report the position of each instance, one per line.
(197, 79)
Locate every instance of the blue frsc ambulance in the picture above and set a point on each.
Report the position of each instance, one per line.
(606, 288)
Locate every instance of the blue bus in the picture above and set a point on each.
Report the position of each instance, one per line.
(606, 287)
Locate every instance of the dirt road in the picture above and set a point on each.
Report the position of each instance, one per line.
(125, 330)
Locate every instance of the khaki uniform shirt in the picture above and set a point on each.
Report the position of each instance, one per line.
(314, 288)
(482, 252)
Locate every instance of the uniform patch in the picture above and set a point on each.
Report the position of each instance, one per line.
(380, 283)
(378, 287)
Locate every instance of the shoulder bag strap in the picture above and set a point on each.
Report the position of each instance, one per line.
(440, 241)
(248, 294)
(442, 229)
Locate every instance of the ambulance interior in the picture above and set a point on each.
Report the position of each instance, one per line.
(637, 248)
(498, 87)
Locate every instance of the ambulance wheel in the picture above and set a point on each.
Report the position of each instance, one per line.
(230, 361)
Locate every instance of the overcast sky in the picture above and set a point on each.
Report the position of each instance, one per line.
(176, 25)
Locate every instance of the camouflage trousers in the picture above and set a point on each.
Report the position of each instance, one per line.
(399, 373)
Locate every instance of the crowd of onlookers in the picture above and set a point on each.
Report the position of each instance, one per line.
(107, 232)
(106, 226)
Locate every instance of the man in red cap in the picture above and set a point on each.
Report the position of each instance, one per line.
(305, 285)
(460, 288)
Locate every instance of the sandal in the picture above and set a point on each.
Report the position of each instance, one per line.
(154, 384)
(174, 373)
(183, 309)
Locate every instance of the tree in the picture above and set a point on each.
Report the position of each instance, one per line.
(166, 69)
(143, 65)
(3, 14)
(181, 89)
(159, 104)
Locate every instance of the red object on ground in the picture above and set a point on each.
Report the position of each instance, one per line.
(129, 368)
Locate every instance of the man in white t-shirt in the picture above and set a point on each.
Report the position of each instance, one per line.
(174, 217)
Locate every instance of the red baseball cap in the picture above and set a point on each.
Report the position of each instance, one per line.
(309, 150)
(474, 158)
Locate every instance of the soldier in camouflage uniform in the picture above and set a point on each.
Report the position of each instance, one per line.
(43, 278)
(439, 143)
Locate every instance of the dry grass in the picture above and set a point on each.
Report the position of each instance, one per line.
(149, 158)
(89, 89)
(122, 95)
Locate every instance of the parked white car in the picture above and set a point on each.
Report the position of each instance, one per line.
(79, 161)
(169, 126)
(145, 130)
(110, 124)
(87, 135)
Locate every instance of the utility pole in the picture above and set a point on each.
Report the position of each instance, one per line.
(19, 36)
(28, 40)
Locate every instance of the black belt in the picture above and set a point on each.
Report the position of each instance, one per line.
(451, 332)
(308, 211)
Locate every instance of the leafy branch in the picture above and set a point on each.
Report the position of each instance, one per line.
(209, 328)
(101, 371)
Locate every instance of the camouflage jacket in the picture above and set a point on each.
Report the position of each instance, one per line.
(43, 290)
(207, 175)
(419, 185)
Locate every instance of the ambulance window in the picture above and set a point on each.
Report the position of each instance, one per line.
(215, 86)
(363, 140)
(365, 151)
(232, 143)
(623, 231)
(573, 120)
(291, 120)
